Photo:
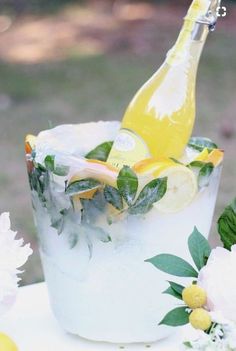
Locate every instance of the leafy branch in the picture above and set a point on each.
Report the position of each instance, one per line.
(200, 143)
(200, 250)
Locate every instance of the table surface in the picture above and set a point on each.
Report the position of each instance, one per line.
(33, 327)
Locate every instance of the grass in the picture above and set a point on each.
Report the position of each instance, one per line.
(92, 88)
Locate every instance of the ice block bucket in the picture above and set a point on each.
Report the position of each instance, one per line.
(99, 284)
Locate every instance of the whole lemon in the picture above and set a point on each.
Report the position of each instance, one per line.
(194, 296)
(6, 344)
(200, 319)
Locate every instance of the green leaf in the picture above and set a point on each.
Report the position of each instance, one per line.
(196, 164)
(49, 162)
(174, 265)
(113, 197)
(98, 201)
(58, 224)
(204, 174)
(73, 239)
(80, 186)
(61, 170)
(98, 233)
(176, 287)
(227, 225)
(176, 317)
(199, 143)
(176, 161)
(172, 292)
(100, 152)
(151, 193)
(127, 183)
(199, 248)
(188, 344)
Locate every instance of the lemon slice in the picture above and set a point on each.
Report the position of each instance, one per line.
(181, 183)
(6, 344)
(181, 189)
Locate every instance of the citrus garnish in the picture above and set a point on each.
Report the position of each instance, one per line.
(99, 170)
(181, 188)
(203, 155)
(6, 343)
(200, 319)
(152, 166)
(215, 156)
(194, 296)
(181, 183)
(29, 143)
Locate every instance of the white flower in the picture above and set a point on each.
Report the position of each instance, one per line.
(218, 278)
(13, 255)
(221, 338)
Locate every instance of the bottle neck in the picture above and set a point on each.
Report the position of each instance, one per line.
(200, 19)
(189, 44)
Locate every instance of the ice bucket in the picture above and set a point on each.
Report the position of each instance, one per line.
(99, 284)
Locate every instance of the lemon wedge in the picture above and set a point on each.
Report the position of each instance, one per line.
(216, 157)
(6, 344)
(203, 155)
(152, 166)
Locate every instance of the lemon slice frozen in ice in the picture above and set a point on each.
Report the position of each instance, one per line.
(181, 189)
(181, 183)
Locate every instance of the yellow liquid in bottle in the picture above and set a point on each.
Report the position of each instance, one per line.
(164, 121)
(159, 120)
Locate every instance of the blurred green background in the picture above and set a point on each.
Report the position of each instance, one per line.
(75, 61)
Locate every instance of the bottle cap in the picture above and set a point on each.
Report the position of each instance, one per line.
(204, 11)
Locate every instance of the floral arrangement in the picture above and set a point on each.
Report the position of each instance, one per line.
(209, 302)
(13, 255)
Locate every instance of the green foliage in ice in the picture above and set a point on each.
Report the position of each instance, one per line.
(151, 193)
(204, 174)
(49, 162)
(200, 143)
(127, 183)
(227, 225)
(113, 197)
(80, 186)
(50, 165)
(204, 171)
(38, 183)
(100, 152)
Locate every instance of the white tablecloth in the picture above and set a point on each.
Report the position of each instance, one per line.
(33, 327)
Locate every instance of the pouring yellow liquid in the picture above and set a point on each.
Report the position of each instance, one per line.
(159, 120)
